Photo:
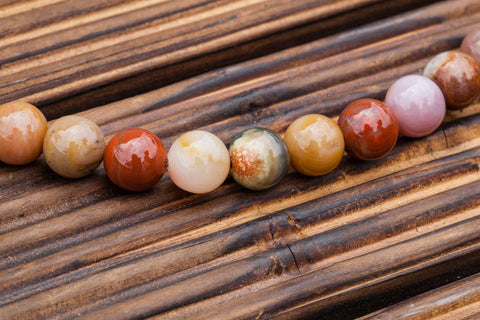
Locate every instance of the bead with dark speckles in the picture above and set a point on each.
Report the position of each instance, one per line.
(259, 158)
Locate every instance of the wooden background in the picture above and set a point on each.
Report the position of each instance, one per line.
(397, 238)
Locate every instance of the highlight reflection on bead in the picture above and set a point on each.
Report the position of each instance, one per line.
(259, 158)
(73, 146)
(370, 129)
(22, 128)
(418, 105)
(135, 159)
(458, 76)
(198, 161)
(315, 144)
(471, 44)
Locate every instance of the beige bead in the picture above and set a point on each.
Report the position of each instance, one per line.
(73, 146)
(198, 162)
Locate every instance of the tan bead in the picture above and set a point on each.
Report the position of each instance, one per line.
(73, 146)
(315, 144)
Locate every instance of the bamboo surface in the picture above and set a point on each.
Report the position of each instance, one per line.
(396, 238)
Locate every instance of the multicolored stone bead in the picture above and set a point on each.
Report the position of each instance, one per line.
(370, 129)
(471, 44)
(198, 162)
(458, 76)
(73, 146)
(259, 158)
(22, 129)
(315, 144)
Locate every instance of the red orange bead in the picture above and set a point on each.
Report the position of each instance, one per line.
(22, 128)
(135, 159)
(370, 129)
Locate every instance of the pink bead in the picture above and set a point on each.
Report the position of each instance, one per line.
(418, 104)
(471, 44)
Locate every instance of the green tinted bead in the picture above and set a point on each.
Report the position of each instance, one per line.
(259, 158)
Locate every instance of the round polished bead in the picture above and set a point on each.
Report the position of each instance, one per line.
(22, 129)
(73, 146)
(259, 158)
(370, 129)
(458, 76)
(198, 162)
(315, 144)
(471, 44)
(135, 159)
(418, 105)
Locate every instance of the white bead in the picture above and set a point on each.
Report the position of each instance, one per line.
(198, 162)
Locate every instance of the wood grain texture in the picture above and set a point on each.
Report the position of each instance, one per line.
(459, 300)
(367, 240)
(181, 30)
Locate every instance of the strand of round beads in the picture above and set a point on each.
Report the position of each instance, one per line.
(258, 158)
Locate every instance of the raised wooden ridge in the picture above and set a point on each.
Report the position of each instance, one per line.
(369, 240)
(458, 300)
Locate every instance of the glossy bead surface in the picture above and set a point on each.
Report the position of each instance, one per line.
(259, 158)
(458, 76)
(73, 146)
(418, 105)
(315, 144)
(198, 161)
(135, 159)
(22, 129)
(471, 44)
(370, 129)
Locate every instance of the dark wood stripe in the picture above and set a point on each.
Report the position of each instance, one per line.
(160, 77)
(50, 13)
(71, 68)
(101, 27)
(459, 300)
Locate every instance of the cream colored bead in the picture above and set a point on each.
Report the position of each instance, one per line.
(198, 162)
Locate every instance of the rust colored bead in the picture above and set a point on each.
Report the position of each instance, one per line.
(22, 129)
(370, 129)
(458, 76)
(315, 144)
(135, 159)
(471, 44)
